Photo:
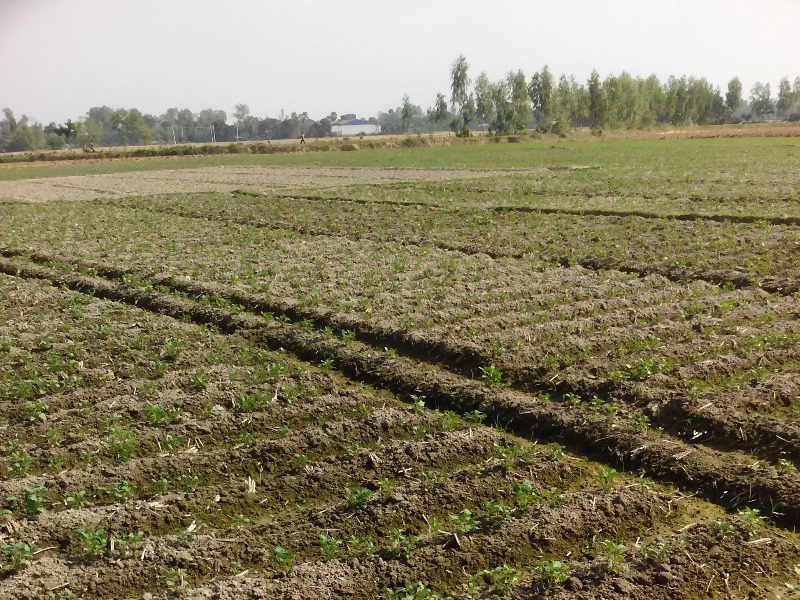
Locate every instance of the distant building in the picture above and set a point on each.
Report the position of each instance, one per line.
(345, 127)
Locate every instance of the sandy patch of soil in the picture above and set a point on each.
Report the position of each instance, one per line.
(260, 179)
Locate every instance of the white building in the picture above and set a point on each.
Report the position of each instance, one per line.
(354, 127)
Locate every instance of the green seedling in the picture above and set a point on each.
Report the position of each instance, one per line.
(499, 580)
(607, 477)
(552, 574)
(357, 498)
(188, 483)
(400, 543)
(122, 444)
(464, 522)
(491, 375)
(614, 555)
(19, 464)
(117, 492)
(94, 542)
(35, 411)
(417, 403)
(53, 436)
(360, 546)
(474, 416)
(751, 520)
(75, 499)
(32, 499)
(721, 528)
(496, 512)
(281, 558)
(176, 579)
(17, 555)
(330, 545)
(157, 413)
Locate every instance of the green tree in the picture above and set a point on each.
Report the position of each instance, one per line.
(484, 106)
(597, 101)
(131, 125)
(520, 100)
(408, 113)
(733, 97)
(760, 99)
(460, 98)
(27, 137)
(786, 97)
(241, 112)
(503, 110)
(541, 93)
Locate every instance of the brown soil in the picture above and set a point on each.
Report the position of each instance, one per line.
(257, 179)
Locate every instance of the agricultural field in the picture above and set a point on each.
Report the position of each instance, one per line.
(531, 370)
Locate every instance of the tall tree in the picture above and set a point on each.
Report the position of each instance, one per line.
(439, 110)
(408, 113)
(241, 112)
(520, 100)
(733, 97)
(760, 99)
(483, 98)
(460, 98)
(786, 96)
(597, 100)
(131, 125)
(541, 93)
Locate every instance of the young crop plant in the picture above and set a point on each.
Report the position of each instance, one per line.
(122, 444)
(417, 403)
(20, 464)
(607, 477)
(722, 528)
(474, 416)
(552, 497)
(499, 580)
(496, 512)
(491, 375)
(751, 519)
(176, 579)
(252, 402)
(523, 494)
(75, 499)
(414, 591)
(157, 413)
(281, 558)
(199, 379)
(53, 436)
(17, 555)
(331, 546)
(464, 522)
(117, 492)
(357, 498)
(552, 575)
(94, 542)
(360, 546)
(450, 420)
(35, 411)
(65, 594)
(32, 499)
(614, 555)
(402, 544)
(188, 483)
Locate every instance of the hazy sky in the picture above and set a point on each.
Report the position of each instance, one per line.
(58, 58)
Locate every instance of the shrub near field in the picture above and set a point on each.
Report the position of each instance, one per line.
(190, 396)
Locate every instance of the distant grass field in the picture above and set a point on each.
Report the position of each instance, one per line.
(668, 158)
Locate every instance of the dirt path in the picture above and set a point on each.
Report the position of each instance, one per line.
(261, 179)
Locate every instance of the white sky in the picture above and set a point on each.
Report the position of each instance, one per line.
(58, 58)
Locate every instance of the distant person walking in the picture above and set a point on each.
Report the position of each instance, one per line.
(302, 139)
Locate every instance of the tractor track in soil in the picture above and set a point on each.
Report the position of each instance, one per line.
(729, 479)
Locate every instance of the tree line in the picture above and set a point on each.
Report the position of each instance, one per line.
(545, 101)
(554, 103)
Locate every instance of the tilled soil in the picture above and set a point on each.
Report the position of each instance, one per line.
(229, 403)
(258, 179)
(234, 501)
